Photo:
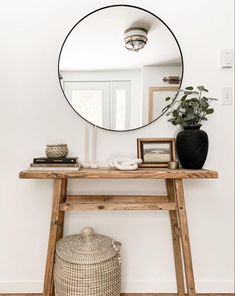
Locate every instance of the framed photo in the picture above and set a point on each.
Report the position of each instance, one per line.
(156, 152)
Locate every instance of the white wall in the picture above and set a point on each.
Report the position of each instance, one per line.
(34, 113)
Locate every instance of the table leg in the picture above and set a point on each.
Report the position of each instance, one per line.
(176, 240)
(56, 232)
(182, 216)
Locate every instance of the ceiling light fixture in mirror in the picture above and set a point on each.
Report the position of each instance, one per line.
(135, 38)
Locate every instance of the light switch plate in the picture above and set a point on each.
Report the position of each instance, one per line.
(227, 96)
(226, 58)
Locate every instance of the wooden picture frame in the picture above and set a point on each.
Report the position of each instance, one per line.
(156, 152)
(154, 89)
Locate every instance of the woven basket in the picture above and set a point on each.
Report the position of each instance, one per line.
(57, 151)
(87, 264)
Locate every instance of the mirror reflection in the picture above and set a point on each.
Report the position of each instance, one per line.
(117, 66)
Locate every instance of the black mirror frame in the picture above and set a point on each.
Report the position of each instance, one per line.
(118, 5)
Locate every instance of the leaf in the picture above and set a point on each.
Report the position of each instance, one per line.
(178, 109)
(178, 120)
(175, 113)
(167, 99)
(213, 99)
(190, 109)
(184, 98)
(188, 92)
(171, 119)
(184, 124)
(183, 105)
(202, 88)
(205, 98)
(209, 111)
(204, 109)
(189, 87)
(195, 106)
(204, 103)
(190, 116)
(165, 108)
(168, 113)
(194, 100)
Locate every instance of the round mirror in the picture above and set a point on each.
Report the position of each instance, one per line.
(117, 65)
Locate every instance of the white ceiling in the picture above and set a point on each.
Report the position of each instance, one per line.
(97, 42)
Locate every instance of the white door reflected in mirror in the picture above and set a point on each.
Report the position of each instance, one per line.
(108, 84)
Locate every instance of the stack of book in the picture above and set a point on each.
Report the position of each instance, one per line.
(56, 164)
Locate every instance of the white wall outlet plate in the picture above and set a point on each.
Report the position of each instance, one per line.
(226, 58)
(227, 96)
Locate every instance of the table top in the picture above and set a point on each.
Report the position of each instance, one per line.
(141, 173)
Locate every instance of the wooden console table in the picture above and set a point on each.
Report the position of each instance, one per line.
(172, 202)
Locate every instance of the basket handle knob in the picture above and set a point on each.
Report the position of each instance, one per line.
(116, 245)
(87, 231)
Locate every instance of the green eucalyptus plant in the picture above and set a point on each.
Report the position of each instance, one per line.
(191, 109)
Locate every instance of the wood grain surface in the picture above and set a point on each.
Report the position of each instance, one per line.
(176, 235)
(142, 173)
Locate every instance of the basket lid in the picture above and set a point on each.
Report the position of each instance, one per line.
(87, 247)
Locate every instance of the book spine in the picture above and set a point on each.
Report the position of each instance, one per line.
(48, 165)
(54, 169)
(51, 161)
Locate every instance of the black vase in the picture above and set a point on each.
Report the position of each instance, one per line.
(192, 147)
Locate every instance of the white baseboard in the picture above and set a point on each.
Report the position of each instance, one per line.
(127, 286)
(21, 286)
(170, 286)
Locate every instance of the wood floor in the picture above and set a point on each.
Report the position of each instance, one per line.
(130, 294)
